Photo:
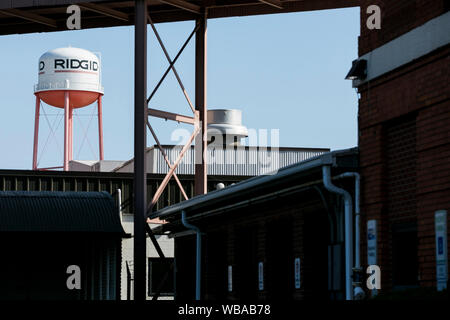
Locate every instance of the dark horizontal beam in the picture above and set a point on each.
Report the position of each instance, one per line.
(30, 17)
(105, 11)
(183, 5)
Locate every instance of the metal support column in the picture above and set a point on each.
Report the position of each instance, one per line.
(100, 127)
(66, 131)
(201, 166)
(70, 133)
(140, 143)
(36, 132)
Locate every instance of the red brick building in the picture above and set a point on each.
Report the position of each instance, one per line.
(404, 135)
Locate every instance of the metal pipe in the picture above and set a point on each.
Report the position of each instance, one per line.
(358, 290)
(357, 178)
(140, 144)
(326, 173)
(198, 262)
(36, 131)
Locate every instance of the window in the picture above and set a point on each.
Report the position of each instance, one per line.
(160, 272)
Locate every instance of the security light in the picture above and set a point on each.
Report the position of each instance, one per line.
(358, 70)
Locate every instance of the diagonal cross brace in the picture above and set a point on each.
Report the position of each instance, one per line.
(166, 179)
(171, 64)
(167, 160)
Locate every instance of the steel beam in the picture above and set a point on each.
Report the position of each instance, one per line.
(105, 11)
(172, 169)
(30, 17)
(166, 158)
(163, 47)
(273, 3)
(140, 144)
(200, 105)
(183, 5)
(173, 63)
(171, 116)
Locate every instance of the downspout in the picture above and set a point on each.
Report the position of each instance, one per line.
(326, 173)
(198, 263)
(358, 291)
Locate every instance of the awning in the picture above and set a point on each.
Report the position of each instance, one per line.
(34, 211)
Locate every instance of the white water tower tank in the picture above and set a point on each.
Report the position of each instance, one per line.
(69, 69)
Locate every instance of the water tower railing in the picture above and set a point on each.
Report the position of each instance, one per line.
(69, 86)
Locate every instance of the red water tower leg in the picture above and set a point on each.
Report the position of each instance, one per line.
(70, 133)
(36, 132)
(100, 127)
(66, 131)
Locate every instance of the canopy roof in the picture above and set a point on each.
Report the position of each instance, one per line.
(28, 16)
(35, 211)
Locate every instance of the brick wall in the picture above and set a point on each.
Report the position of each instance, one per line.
(404, 138)
(397, 18)
(273, 233)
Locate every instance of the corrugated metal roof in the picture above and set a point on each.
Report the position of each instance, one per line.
(31, 211)
(259, 185)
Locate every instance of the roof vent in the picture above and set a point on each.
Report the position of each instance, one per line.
(225, 127)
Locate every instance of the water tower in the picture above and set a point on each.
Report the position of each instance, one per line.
(69, 78)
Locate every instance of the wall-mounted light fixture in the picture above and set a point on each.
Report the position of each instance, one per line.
(358, 70)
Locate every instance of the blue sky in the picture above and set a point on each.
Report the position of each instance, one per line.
(284, 71)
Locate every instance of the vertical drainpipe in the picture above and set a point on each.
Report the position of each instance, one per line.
(358, 292)
(198, 263)
(326, 172)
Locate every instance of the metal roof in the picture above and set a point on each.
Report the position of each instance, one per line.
(32, 211)
(27, 16)
(291, 176)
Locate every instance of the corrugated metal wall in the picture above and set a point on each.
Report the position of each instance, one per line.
(241, 161)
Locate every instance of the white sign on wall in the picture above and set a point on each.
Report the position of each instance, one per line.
(440, 219)
(372, 247)
(261, 276)
(372, 242)
(230, 278)
(297, 272)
